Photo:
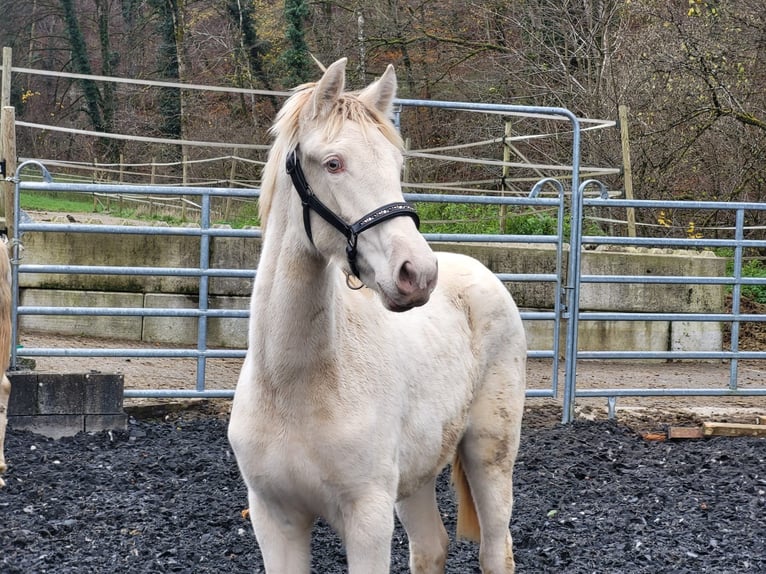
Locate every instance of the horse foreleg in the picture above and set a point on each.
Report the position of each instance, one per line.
(284, 538)
(368, 525)
(428, 540)
(5, 393)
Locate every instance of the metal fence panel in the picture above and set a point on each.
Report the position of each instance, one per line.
(567, 283)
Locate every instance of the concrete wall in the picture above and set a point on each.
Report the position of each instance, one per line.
(233, 293)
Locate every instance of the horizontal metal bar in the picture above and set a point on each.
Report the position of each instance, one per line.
(123, 352)
(669, 392)
(229, 393)
(540, 393)
(489, 238)
(482, 199)
(671, 355)
(190, 231)
(178, 394)
(538, 315)
(139, 189)
(148, 271)
(134, 312)
(540, 354)
(673, 204)
(671, 242)
(671, 279)
(694, 317)
(527, 278)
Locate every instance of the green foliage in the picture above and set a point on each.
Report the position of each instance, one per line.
(754, 268)
(751, 268)
(532, 224)
(296, 57)
(458, 218)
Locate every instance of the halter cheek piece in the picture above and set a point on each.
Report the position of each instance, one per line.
(351, 232)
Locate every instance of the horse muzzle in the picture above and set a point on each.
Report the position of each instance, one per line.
(413, 285)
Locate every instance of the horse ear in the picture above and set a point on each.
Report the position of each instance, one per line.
(381, 93)
(329, 88)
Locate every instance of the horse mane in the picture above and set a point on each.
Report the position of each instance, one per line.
(286, 129)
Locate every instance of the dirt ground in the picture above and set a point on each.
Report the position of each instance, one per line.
(590, 497)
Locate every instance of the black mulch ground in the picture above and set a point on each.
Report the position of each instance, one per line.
(590, 498)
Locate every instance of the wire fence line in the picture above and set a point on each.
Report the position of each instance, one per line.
(441, 154)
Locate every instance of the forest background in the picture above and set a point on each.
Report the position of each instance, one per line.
(691, 73)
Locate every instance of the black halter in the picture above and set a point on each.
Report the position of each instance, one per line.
(351, 232)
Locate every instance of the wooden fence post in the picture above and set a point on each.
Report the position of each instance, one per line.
(185, 172)
(506, 172)
(627, 173)
(7, 141)
(152, 180)
(8, 153)
(5, 91)
(232, 175)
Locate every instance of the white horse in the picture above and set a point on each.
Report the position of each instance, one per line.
(346, 409)
(5, 348)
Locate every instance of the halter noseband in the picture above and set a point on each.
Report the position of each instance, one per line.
(351, 232)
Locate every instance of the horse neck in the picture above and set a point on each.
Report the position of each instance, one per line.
(295, 302)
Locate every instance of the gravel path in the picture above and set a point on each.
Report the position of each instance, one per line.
(166, 496)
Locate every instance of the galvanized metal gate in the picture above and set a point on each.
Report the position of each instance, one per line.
(567, 278)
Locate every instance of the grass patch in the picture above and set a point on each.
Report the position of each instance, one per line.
(70, 202)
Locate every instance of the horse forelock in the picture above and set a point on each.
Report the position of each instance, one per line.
(294, 116)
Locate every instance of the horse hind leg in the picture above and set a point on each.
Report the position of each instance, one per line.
(428, 540)
(486, 456)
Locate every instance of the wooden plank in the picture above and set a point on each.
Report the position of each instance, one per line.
(733, 429)
(685, 432)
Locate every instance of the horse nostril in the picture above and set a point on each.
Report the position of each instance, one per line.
(406, 282)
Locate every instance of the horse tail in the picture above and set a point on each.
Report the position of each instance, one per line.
(467, 520)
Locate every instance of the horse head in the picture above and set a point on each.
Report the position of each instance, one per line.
(344, 157)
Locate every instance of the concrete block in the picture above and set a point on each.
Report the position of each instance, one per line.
(183, 330)
(97, 423)
(23, 400)
(233, 253)
(111, 249)
(56, 404)
(602, 335)
(59, 394)
(655, 297)
(53, 426)
(696, 336)
(175, 330)
(230, 333)
(103, 393)
(623, 335)
(110, 327)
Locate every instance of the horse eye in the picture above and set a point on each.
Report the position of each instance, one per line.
(334, 165)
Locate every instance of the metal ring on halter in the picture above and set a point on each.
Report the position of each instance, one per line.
(350, 278)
